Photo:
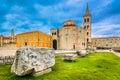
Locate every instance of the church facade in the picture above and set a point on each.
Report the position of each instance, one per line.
(73, 37)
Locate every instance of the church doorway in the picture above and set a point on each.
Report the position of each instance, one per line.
(55, 44)
(73, 46)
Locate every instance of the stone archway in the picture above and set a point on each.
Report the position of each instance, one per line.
(55, 44)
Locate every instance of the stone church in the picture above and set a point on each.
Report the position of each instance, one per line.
(73, 37)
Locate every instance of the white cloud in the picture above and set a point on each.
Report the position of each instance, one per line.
(106, 27)
(107, 2)
(74, 2)
(11, 16)
(106, 30)
(40, 26)
(60, 12)
(17, 22)
(17, 8)
(100, 7)
(70, 9)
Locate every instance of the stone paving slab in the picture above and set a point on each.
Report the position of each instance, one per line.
(7, 52)
(116, 53)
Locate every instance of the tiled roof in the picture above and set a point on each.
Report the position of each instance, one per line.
(32, 32)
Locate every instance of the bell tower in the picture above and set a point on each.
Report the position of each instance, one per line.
(87, 20)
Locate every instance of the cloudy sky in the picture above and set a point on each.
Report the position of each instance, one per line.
(43, 15)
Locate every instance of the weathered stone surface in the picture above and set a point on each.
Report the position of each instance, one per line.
(6, 59)
(42, 72)
(82, 53)
(70, 57)
(30, 60)
(62, 52)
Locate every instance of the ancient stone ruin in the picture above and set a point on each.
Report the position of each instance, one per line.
(70, 57)
(33, 61)
(6, 59)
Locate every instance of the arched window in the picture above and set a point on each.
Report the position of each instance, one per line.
(87, 26)
(82, 43)
(52, 33)
(87, 33)
(34, 37)
(87, 40)
(55, 33)
(87, 19)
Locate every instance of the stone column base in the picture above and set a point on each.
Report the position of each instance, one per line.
(42, 72)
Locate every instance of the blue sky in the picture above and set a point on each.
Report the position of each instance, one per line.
(42, 15)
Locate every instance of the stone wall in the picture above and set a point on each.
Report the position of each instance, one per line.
(72, 38)
(6, 59)
(8, 46)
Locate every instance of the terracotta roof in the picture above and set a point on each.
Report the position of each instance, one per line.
(7, 37)
(32, 32)
(1, 37)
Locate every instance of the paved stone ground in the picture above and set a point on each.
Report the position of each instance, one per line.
(7, 52)
(102, 50)
(116, 53)
(11, 52)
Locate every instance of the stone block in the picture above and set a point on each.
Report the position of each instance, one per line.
(70, 57)
(30, 60)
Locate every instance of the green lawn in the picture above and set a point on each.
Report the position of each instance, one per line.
(97, 66)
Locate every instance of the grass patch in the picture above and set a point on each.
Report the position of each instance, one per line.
(98, 66)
